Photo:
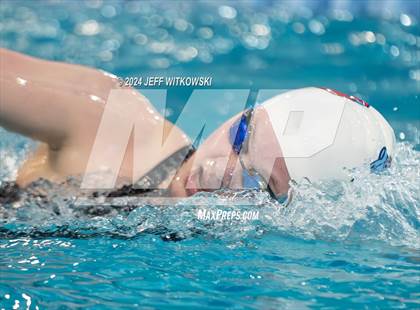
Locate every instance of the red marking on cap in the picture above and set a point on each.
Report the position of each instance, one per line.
(352, 98)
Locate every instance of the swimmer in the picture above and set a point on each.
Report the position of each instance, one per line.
(310, 133)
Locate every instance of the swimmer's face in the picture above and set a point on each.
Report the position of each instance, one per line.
(215, 165)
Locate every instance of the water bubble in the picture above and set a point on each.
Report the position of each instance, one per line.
(298, 27)
(342, 15)
(405, 20)
(406, 56)
(157, 47)
(402, 135)
(380, 39)
(88, 28)
(160, 34)
(186, 54)
(414, 74)
(333, 48)
(222, 45)
(108, 11)
(181, 24)
(156, 20)
(260, 29)
(235, 30)
(369, 36)
(395, 109)
(316, 27)
(205, 56)
(263, 43)
(354, 39)
(205, 33)
(411, 39)
(394, 51)
(140, 39)
(226, 11)
(251, 41)
(111, 45)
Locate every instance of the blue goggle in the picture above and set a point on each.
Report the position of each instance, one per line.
(238, 134)
(238, 137)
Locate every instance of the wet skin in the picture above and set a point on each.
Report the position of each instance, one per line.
(60, 105)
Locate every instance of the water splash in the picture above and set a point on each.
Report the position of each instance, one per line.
(373, 207)
(381, 207)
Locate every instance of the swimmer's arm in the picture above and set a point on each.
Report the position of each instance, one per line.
(48, 100)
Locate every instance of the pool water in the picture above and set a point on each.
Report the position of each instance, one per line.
(338, 245)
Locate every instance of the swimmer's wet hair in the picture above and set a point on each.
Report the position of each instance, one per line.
(9, 192)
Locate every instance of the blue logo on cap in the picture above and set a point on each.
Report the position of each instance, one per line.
(383, 161)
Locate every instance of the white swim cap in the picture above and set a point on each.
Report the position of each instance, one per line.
(322, 131)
